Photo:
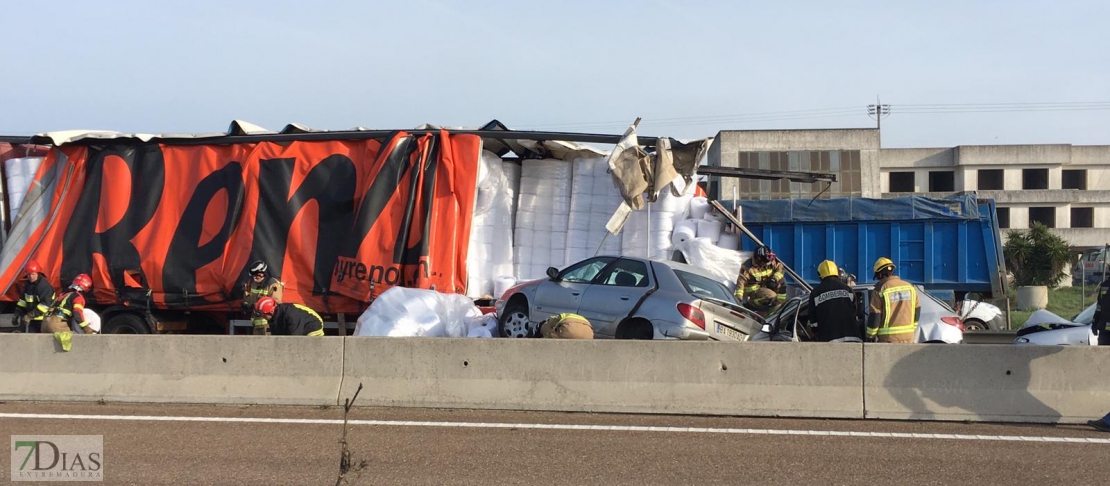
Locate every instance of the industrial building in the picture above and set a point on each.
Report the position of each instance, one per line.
(1064, 186)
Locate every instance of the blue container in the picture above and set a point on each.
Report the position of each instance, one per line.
(950, 246)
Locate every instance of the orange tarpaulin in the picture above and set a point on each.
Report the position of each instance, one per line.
(333, 219)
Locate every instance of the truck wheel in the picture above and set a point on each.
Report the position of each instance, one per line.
(126, 323)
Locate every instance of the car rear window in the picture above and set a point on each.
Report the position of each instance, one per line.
(700, 286)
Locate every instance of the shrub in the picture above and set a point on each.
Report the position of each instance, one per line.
(1036, 256)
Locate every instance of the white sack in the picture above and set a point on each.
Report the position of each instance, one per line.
(402, 311)
(721, 263)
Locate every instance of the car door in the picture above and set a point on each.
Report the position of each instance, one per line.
(614, 293)
(565, 292)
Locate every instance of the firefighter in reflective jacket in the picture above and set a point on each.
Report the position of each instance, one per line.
(290, 319)
(260, 284)
(68, 312)
(566, 326)
(35, 302)
(761, 280)
(832, 308)
(1098, 325)
(894, 308)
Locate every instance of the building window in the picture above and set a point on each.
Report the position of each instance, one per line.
(1034, 179)
(1003, 217)
(942, 181)
(1045, 216)
(1074, 179)
(1082, 217)
(901, 182)
(991, 179)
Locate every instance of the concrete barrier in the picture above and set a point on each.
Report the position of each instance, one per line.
(986, 383)
(761, 379)
(177, 369)
(916, 382)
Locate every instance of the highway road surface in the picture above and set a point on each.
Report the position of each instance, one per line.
(262, 445)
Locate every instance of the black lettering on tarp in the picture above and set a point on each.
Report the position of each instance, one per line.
(331, 183)
(185, 257)
(404, 251)
(81, 241)
(381, 190)
(391, 275)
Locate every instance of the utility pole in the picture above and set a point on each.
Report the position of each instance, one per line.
(878, 111)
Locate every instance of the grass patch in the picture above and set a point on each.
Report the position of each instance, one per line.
(1065, 302)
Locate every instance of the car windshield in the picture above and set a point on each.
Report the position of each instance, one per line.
(1085, 317)
(700, 286)
(943, 305)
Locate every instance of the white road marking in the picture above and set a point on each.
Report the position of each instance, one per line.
(607, 428)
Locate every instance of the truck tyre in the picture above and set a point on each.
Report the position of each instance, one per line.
(126, 323)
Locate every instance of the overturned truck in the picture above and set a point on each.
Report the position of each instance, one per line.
(166, 225)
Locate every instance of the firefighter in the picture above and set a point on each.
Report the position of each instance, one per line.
(290, 319)
(68, 312)
(566, 326)
(761, 280)
(1098, 325)
(38, 296)
(831, 307)
(894, 308)
(260, 283)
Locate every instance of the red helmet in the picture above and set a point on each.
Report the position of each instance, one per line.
(32, 267)
(266, 305)
(82, 283)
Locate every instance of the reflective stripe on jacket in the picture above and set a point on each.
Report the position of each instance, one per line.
(71, 306)
(296, 320)
(896, 301)
(36, 299)
(752, 278)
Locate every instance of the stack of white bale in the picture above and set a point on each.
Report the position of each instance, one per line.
(593, 201)
(706, 224)
(542, 217)
(491, 237)
(19, 174)
(643, 240)
(512, 176)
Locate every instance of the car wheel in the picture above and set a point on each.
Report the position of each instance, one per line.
(975, 325)
(514, 321)
(635, 329)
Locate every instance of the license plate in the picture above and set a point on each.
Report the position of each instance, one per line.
(724, 330)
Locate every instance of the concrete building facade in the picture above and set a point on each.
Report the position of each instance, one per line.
(852, 154)
(1063, 186)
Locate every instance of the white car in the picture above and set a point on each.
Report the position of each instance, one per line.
(981, 316)
(1048, 329)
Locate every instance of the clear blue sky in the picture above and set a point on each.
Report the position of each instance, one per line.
(690, 68)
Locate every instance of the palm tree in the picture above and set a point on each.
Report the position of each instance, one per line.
(1036, 257)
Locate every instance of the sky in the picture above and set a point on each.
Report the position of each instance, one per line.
(953, 72)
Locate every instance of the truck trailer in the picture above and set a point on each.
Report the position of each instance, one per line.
(951, 246)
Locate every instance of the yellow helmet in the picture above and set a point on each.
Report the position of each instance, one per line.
(827, 268)
(882, 263)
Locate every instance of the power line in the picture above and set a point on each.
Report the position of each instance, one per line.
(756, 115)
(1061, 103)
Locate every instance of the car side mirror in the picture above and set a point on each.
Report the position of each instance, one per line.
(553, 274)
